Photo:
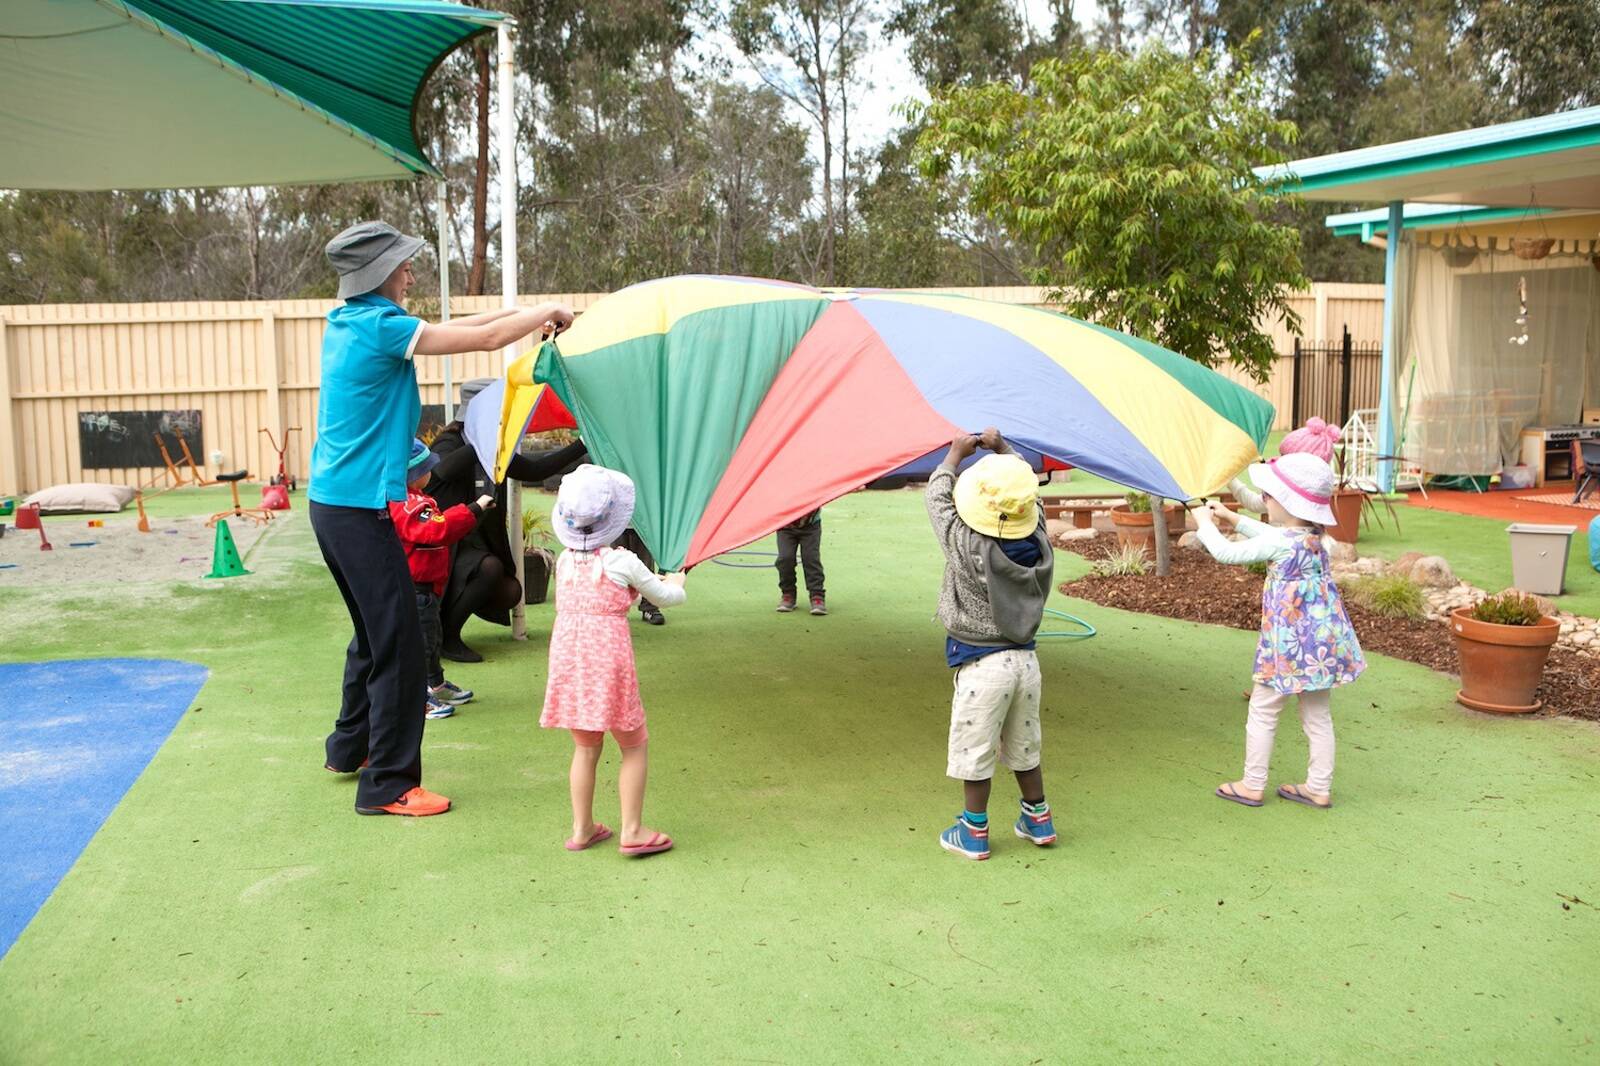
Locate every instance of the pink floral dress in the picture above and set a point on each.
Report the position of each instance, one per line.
(592, 682)
(1307, 642)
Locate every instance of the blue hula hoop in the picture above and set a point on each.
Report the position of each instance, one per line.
(747, 566)
(1067, 634)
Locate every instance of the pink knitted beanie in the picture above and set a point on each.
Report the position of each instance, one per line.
(1316, 437)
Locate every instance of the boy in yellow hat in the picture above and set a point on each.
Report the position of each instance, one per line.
(998, 570)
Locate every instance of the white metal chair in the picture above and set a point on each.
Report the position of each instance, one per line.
(1362, 456)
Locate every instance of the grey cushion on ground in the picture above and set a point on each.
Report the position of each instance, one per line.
(82, 496)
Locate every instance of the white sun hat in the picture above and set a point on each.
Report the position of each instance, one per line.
(1301, 482)
(593, 506)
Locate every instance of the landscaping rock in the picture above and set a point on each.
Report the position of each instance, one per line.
(1340, 552)
(1431, 571)
(1056, 526)
(1402, 566)
(1069, 534)
(1191, 539)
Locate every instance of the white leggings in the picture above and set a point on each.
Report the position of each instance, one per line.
(1315, 718)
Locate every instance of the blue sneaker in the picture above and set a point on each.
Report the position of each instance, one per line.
(966, 840)
(454, 695)
(438, 709)
(1036, 828)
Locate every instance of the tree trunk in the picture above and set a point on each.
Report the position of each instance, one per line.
(477, 274)
(1158, 519)
(825, 120)
(844, 139)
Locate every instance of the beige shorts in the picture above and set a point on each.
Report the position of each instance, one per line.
(995, 713)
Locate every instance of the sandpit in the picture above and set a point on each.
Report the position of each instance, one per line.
(175, 549)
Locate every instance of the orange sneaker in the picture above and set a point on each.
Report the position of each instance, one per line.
(419, 803)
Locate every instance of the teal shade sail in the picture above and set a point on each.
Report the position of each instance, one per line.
(134, 94)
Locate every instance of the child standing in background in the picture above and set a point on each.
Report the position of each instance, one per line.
(426, 534)
(1307, 645)
(802, 536)
(593, 687)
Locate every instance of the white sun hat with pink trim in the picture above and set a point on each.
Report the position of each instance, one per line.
(593, 506)
(1301, 482)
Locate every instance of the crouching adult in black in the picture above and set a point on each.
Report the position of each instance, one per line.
(483, 574)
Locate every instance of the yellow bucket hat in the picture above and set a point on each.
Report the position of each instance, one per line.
(998, 496)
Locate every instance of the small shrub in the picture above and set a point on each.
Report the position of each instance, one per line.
(1510, 608)
(1389, 595)
(1123, 561)
(1138, 502)
(535, 529)
(1259, 567)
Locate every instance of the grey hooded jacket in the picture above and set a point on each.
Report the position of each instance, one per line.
(986, 599)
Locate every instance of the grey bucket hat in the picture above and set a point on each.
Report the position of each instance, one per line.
(470, 388)
(367, 253)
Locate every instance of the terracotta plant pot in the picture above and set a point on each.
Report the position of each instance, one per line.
(1501, 665)
(1347, 504)
(1138, 528)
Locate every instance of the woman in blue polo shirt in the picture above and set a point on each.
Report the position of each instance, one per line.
(366, 418)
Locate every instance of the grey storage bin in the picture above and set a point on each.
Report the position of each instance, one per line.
(1539, 557)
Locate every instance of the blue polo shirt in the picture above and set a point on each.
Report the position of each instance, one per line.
(368, 409)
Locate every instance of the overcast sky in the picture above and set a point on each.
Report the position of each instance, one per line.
(873, 114)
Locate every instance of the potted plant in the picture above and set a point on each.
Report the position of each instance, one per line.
(1347, 504)
(1502, 643)
(1136, 525)
(538, 561)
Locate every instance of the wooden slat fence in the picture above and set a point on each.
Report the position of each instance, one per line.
(248, 365)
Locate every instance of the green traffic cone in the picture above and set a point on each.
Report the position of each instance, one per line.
(225, 561)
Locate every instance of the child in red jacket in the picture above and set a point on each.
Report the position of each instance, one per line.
(426, 533)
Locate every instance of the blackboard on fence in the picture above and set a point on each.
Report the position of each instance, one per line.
(118, 440)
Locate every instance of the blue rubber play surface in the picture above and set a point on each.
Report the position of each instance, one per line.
(69, 751)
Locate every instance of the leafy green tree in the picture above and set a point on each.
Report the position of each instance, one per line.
(1539, 57)
(962, 42)
(1131, 175)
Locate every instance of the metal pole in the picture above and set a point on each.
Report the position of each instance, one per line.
(441, 212)
(1391, 341)
(1294, 385)
(1344, 377)
(507, 100)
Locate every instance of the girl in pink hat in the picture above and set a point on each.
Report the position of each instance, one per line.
(593, 688)
(1307, 646)
(1316, 437)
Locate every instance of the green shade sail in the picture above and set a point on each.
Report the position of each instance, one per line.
(100, 94)
(1552, 161)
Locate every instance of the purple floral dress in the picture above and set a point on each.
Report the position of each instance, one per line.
(1307, 642)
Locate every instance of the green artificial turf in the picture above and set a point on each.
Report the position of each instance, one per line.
(235, 909)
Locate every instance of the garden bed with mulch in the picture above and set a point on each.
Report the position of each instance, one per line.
(1200, 589)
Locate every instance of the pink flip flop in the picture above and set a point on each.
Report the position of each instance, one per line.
(600, 833)
(657, 842)
(1228, 792)
(1293, 794)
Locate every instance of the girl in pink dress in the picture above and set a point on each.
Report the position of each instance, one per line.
(593, 688)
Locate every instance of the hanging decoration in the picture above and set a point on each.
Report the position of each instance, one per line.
(1532, 248)
(1521, 337)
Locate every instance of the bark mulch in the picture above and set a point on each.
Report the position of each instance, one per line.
(1200, 589)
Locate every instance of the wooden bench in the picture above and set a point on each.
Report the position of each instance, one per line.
(1082, 508)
